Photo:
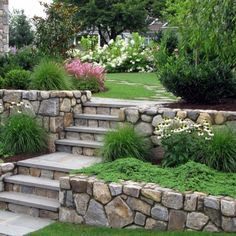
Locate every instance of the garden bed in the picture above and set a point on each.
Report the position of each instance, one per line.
(224, 105)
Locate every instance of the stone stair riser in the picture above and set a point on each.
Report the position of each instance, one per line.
(84, 136)
(43, 173)
(32, 211)
(32, 190)
(102, 110)
(78, 150)
(97, 123)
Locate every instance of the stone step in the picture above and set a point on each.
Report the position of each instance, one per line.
(78, 147)
(31, 181)
(23, 199)
(106, 104)
(86, 133)
(56, 163)
(90, 130)
(98, 117)
(79, 143)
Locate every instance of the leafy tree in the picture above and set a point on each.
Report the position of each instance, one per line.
(54, 34)
(112, 17)
(21, 33)
(206, 27)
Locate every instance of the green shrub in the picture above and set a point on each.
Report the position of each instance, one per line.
(179, 148)
(124, 142)
(17, 79)
(23, 134)
(49, 75)
(220, 153)
(206, 82)
(191, 176)
(88, 84)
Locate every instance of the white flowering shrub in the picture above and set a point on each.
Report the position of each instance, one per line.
(120, 55)
(183, 140)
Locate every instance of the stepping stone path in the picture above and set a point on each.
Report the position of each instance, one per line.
(32, 195)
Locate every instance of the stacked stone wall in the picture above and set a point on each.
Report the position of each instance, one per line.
(4, 26)
(55, 110)
(145, 119)
(127, 204)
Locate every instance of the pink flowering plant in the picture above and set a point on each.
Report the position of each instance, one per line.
(88, 75)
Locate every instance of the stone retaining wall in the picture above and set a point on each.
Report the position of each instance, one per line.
(6, 169)
(54, 109)
(138, 205)
(4, 26)
(146, 118)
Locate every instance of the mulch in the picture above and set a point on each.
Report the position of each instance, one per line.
(224, 105)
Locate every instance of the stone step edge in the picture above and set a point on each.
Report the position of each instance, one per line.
(37, 182)
(85, 129)
(79, 143)
(107, 105)
(24, 199)
(97, 117)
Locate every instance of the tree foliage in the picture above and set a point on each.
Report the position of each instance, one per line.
(54, 34)
(112, 17)
(20, 32)
(206, 26)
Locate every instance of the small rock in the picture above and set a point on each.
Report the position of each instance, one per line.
(203, 117)
(172, 200)
(139, 219)
(159, 212)
(132, 115)
(118, 213)
(152, 111)
(157, 120)
(177, 220)
(69, 199)
(115, 189)
(101, 192)
(146, 118)
(210, 227)
(7, 167)
(69, 215)
(196, 220)
(170, 114)
(229, 224)
(228, 208)
(190, 203)
(156, 225)
(144, 129)
(49, 107)
(81, 202)
(220, 118)
(77, 94)
(153, 194)
(212, 202)
(214, 215)
(95, 214)
(65, 182)
(132, 190)
(182, 114)
(193, 115)
(139, 205)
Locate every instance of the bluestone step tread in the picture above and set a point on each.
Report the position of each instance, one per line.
(60, 161)
(97, 117)
(103, 104)
(27, 200)
(85, 129)
(79, 143)
(37, 182)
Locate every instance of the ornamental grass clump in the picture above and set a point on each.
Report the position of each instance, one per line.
(21, 132)
(220, 154)
(183, 140)
(88, 76)
(124, 142)
(49, 75)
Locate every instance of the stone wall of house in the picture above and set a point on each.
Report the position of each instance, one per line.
(4, 26)
(55, 110)
(146, 118)
(127, 204)
(6, 169)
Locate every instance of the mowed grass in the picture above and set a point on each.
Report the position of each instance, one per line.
(63, 229)
(141, 86)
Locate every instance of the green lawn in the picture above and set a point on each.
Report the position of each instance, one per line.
(60, 229)
(140, 86)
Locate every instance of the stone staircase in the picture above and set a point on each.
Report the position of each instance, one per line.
(34, 189)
